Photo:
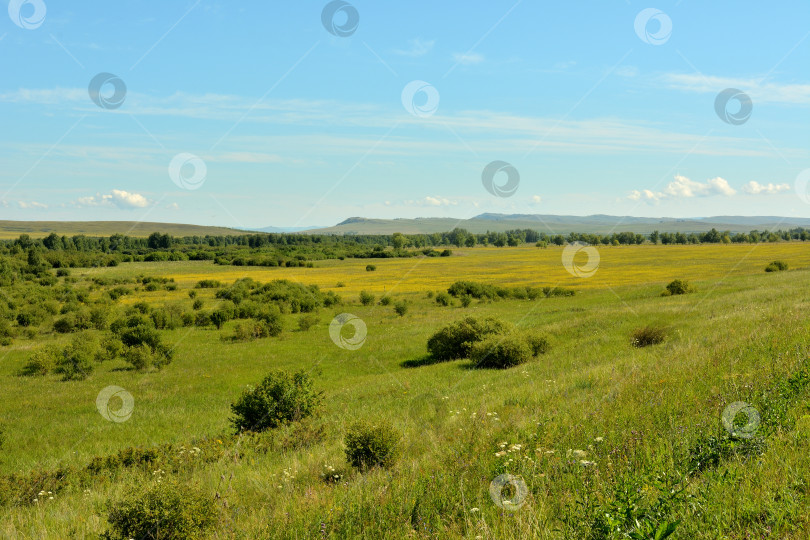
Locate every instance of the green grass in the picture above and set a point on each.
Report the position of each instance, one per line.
(733, 340)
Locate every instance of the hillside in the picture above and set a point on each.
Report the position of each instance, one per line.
(36, 229)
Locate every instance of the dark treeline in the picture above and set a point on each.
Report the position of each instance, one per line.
(288, 249)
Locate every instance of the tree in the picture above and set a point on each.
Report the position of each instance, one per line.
(654, 236)
(398, 240)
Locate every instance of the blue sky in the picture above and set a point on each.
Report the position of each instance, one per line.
(280, 122)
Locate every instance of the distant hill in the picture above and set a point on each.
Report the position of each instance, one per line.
(553, 224)
(37, 229)
(284, 229)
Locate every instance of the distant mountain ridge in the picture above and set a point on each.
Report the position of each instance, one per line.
(561, 224)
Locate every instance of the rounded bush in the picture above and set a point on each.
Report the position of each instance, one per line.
(456, 340)
(538, 344)
(366, 298)
(500, 352)
(163, 511)
(371, 445)
(678, 286)
(777, 266)
(279, 399)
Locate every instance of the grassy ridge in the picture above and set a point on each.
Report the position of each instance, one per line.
(739, 335)
(39, 229)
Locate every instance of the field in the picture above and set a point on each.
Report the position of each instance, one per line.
(39, 229)
(641, 416)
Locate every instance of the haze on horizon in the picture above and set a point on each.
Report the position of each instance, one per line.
(291, 115)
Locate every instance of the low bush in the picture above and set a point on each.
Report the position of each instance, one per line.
(385, 301)
(538, 344)
(371, 445)
(678, 286)
(279, 399)
(648, 335)
(75, 362)
(443, 299)
(197, 305)
(208, 284)
(457, 339)
(370, 268)
(366, 298)
(466, 300)
(777, 266)
(401, 308)
(307, 321)
(41, 362)
(163, 511)
(497, 351)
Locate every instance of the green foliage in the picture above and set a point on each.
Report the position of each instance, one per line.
(538, 343)
(307, 321)
(777, 266)
(500, 351)
(197, 305)
(457, 339)
(208, 284)
(385, 300)
(372, 445)
(75, 363)
(366, 298)
(41, 362)
(370, 268)
(443, 299)
(137, 332)
(466, 300)
(279, 399)
(678, 286)
(648, 335)
(401, 308)
(162, 511)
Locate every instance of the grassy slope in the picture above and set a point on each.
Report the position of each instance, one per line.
(648, 404)
(37, 229)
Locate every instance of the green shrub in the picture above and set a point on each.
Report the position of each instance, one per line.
(366, 298)
(163, 511)
(446, 253)
(197, 305)
(369, 445)
(776, 266)
(220, 316)
(75, 363)
(62, 272)
(538, 344)
(456, 340)
(499, 351)
(41, 362)
(678, 286)
(401, 308)
(192, 294)
(443, 299)
(307, 321)
(255, 329)
(648, 335)
(466, 300)
(111, 348)
(370, 268)
(279, 399)
(385, 300)
(208, 284)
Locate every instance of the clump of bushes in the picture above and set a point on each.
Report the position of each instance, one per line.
(372, 445)
(366, 298)
(370, 268)
(678, 286)
(267, 324)
(443, 299)
(457, 339)
(137, 334)
(538, 344)
(777, 266)
(75, 362)
(648, 335)
(385, 300)
(208, 284)
(41, 362)
(500, 352)
(165, 511)
(307, 321)
(478, 290)
(280, 398)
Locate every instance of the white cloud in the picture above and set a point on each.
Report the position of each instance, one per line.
(758, 91)
(431, 201)
(755, 188)
(536, 199)
(468, 59)
(684, 188)
(120, 198)
(173, 206)
(32, 205)
(417, 47)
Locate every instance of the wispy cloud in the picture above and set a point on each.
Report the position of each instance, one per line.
(467, 59)
(417, 47)
(431, 201)
(758, 90)
(32, 205)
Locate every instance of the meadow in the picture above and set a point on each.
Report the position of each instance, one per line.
(610, 439)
